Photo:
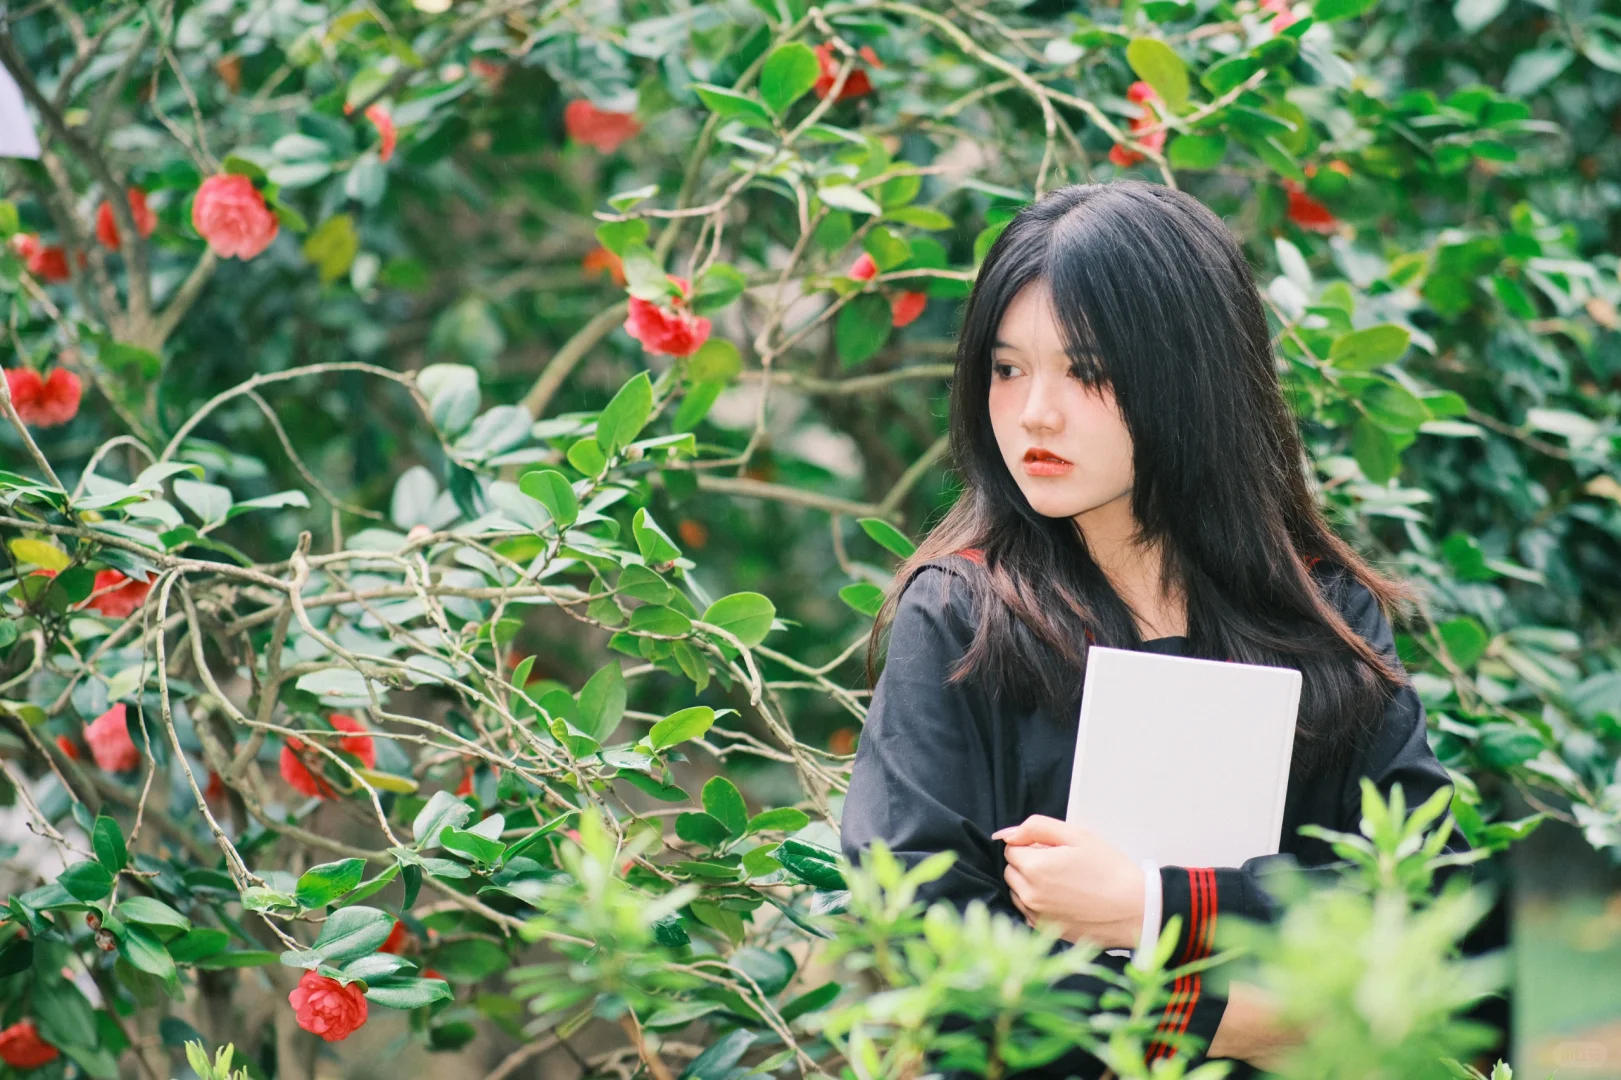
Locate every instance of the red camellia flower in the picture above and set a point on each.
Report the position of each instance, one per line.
(117, 596)
(44, 402)
(107, 224)
(599, 259)
(22, 1048)
(596, 127)
(230, 213)
(387, 135)
(48, 263)
(69, 747)
(1142, 94)
(488, 70)
(302, 779)
(856, 85)
(215, 790)
(864, 269)
(395, 942)
(907, 306)
(110, 744)
(667, 331)
(1307, 212)
(328, 1008)
(1284, 17)
(466, 786)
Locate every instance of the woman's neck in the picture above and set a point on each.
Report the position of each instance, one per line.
(1133, 570)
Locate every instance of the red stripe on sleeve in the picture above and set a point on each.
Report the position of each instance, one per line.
(1185, 989)
(973, 555)
(1201, 933)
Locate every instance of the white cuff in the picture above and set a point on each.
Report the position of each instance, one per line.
(1153, 901)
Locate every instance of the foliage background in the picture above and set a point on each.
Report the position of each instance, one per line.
(1453, 171)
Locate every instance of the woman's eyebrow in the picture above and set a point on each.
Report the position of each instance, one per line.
(1000, 344)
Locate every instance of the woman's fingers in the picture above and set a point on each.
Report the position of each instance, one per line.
(1036, 829)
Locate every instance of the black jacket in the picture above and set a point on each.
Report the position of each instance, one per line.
(941, 766)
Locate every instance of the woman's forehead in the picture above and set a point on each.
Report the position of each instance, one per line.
(1030, 325)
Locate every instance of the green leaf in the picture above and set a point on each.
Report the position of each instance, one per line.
(552, 490)
(320, 885)
(730, 105)
(888, 250)
(241, 166)
(1335, 10)
(409, 993)
(1157, 64)
(107, 840)
(481, 849)
(1374, 347)
(442, 809)
(781, 819)
(653, 542)
(198, 943)
(88, 881)
(1222, 76)
(1394, 406)
(39, 553)
(887, 536)
(145, 952)
(602, 701)
(470, 958)
(620, 236)
(332, 247)
(587, 457)
(921, 217)
(720, 284)
(745, 615)
(846, 197)
(811, 1001)
(655, 619)
(814, 865)
(680, 726)
(1279, 160)
(701, 829)
(627, 199)
(790, 71)
(864, 596)
(1465, 639)
(1374, 452)
(717, 360)
(725, 804)
(623, 418)
(150, 912)
(1196, 151)
(646, 784)
(862, 327)
(279, 501)
(352, 931)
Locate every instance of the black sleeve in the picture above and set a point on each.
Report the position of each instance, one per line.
(921, 780)
(923, 770)
(1397, 753)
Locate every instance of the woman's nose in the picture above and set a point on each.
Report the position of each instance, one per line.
(1041, 408)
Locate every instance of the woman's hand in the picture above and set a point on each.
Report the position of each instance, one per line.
(1068, 874)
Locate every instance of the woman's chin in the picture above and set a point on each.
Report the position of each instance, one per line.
(1055, 504)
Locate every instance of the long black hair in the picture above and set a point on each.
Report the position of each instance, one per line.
(1156, 301)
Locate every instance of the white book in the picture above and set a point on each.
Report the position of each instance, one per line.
(1181, 760)
(16, 130)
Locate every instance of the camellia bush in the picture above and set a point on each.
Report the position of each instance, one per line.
(454, 451)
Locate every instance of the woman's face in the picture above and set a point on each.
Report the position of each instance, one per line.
(1037, 404)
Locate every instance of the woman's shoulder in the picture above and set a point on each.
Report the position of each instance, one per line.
(941, 587)
(1355, 602)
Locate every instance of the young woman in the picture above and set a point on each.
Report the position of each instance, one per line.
(1132, 478)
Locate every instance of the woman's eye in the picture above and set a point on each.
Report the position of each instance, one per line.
(998, 369)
